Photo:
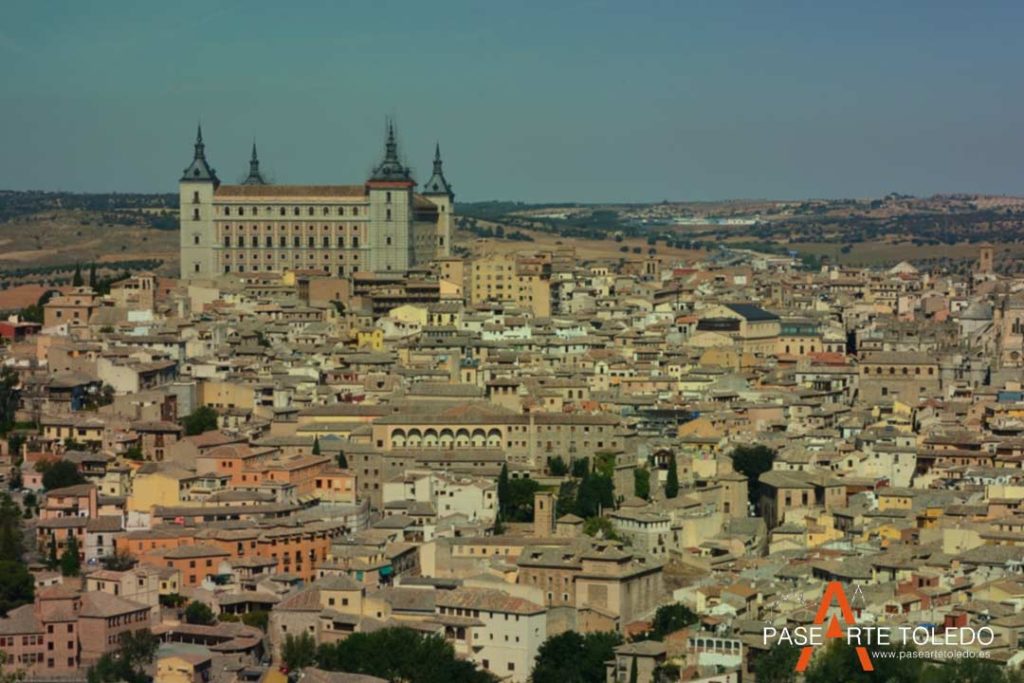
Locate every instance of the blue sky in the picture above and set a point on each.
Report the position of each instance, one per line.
(532, 101)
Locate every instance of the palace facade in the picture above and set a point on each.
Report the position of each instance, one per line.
(379, 226)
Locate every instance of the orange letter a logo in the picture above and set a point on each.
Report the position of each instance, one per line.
(834, 592)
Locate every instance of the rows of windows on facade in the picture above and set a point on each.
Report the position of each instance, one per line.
(382, 225)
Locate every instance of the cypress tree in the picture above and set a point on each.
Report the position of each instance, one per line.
(503, 489)
(672, 485)
(51, 558)
(76, 280)
(70, 565)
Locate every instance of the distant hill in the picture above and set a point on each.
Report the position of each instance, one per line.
(43, 235)
(156, 210)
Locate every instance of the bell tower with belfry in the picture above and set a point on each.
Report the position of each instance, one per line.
(543, 514)
(985, 259)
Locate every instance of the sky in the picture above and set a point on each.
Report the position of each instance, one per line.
(554, 101)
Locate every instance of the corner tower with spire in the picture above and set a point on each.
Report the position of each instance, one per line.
(391, 215)
(439, 192)
(195, 194)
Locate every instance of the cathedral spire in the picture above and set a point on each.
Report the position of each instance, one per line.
(437, 184)
(199, 169)
(391, 168)
(255, 177)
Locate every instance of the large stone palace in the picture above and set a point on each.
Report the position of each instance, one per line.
(379, 226)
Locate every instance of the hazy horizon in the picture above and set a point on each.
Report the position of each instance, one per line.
(590, 103)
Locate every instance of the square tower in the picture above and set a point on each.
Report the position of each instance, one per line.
(197, 236)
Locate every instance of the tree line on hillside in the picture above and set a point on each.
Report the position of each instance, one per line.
(16, 203)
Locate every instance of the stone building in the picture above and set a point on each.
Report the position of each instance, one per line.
(379, 226)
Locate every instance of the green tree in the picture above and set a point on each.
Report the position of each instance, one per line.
(316, 445)
(12, 538)
(70, 563)
(135, 453)
(519, 506)
(595, 492)
(574, 658)
(594, 526)
(970, 671)
(9, 396)
(342, 461)
(172, 600)
(92, 275)
(642, 483)
(672, 482)
(633, 673)
(752, 462)
(839, 662)
(17, 587)
(557, 466)
(503, 492)
(15, 442)
(298, 652)
(566, 501)
(669, 619)
(400, 654)
(604, 463)
(120, 561)
(580, 467)
(7, 675)
(499, 525)
(29, 503)
(258, 618)
(202, 419)
(128, 663)
(200, 613)
(59, 474)
(778, 664)
(76, 279)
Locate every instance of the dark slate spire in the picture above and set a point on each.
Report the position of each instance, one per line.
(255, 177)
(391, 169)
(437, 183)
(199, 169)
